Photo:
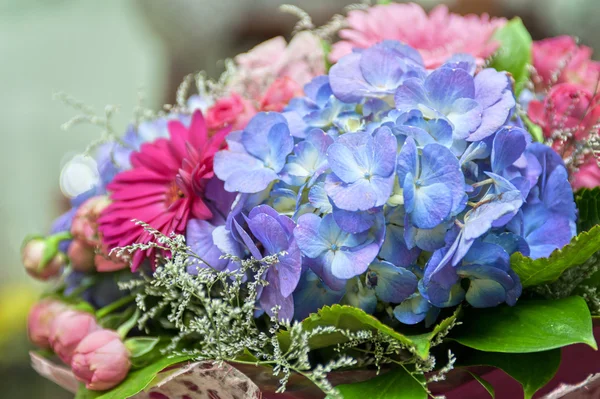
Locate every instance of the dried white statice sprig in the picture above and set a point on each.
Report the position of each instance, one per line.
(212, 317)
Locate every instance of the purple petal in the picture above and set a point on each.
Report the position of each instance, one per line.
(346, 79)
(445, 86)
(509, 144)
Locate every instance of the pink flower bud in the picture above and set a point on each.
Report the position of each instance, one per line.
(588, 174)
(566, 107)
(41, 316)
(81, 256)
(561, 60)
(67, 331)
(33, 255)
(85, 221)
(101, 360)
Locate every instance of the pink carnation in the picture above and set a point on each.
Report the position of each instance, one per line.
(437, 36)
(560, 60)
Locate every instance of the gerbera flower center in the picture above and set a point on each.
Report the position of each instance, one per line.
(173, 193)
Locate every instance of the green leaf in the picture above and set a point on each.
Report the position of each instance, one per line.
(355, 319)
(488, 387)
(546, 270)
(531, 370)
(514, 52)
(534, 129)
(530, 326)
(139, 346)
(398, 383)
(135, 382)
(588, 204)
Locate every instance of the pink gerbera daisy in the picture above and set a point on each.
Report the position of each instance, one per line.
(164, 188)
(437, 36)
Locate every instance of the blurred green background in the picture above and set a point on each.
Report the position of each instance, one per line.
(107, 52)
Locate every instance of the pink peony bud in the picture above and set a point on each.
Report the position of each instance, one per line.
(85, 221)
(232, 110)
(68, 329)
(41, 261)
(279, 94)
(41, 316)
(81, 256)
(101, 360)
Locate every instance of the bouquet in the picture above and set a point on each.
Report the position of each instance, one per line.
(369, 209)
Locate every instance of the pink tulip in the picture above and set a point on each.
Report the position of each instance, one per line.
(560, 60)
(68, 329)
(81, 256)
(41, 316)
(232, 110)
(32, 256)
(85, 221)
(101, 360)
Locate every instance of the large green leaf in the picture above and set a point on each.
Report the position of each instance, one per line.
(530, 326)
(397, 384)
(531, 370)
(355, 319)
(514, 53)
(588, 204)
(488, 387)
(135, 382)
(546, 270)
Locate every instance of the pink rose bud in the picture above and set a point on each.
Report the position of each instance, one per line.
(67, 331)
(101, 360)
(232, 110)
(279, 94)
(85, 221)
(41, 258)
(41, 316)
(588, 174)
(81, 256)
(566, 107)
(560, 60)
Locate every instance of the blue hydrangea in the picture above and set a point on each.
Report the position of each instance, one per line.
(390, 187)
